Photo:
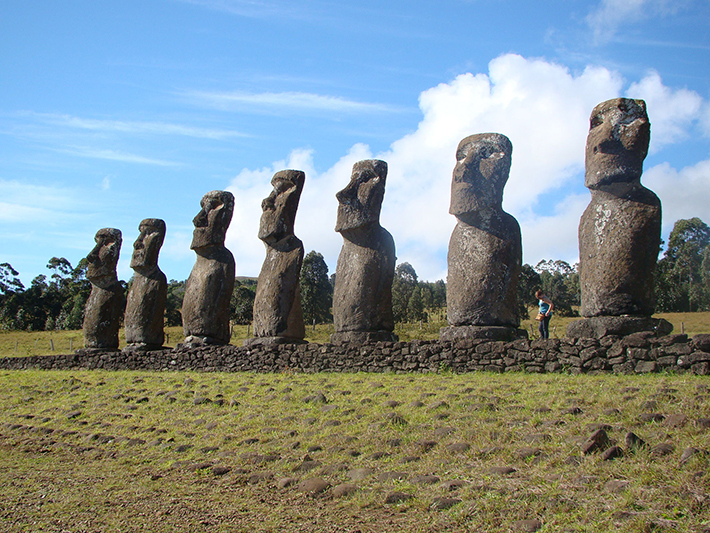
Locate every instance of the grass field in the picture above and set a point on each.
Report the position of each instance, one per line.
(94, 451)
(24, 343)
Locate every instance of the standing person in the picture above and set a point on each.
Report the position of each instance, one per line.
(546, 307)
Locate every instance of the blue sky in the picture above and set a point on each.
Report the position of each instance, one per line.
(111, 112)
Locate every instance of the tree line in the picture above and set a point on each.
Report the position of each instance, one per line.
(57, 301)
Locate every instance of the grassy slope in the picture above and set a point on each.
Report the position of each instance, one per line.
(23, 343)
(68, 464)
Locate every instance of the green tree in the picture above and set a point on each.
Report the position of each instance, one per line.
(415, 306)
(403, 285)
(560, 282)
(173, 303)
(316, 289)
(528, 283)
(682, 274)
(241, 306)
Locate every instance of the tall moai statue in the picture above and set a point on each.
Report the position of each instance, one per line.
(620, 231)
(485, 250)
(145, 305)
(205, 307)
(104, 308)
(278, 318)
(362, 299)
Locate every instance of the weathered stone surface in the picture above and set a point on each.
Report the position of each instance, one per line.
(205, 307)
(145, 305)
(602, 326)
(362, 298)
(485, 250)
(492, 333)
(104, 308)
(620, 231)
(277, 306)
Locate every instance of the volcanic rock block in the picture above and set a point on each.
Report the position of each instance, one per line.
(278, 317)
(205, 307)
(104, 308)
(620, 231)
(485, 250)
(145, 306)
(362, 299)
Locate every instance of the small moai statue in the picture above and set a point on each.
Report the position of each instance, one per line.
(362, 298)
(205, 306)
(278, 318)
(145, 305)
(620, 231)
(485, 250)
(104, 308)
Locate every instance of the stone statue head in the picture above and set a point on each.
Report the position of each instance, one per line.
(104, 257)
(212, 221)
(360, 202)
(147, 245)
(617, 144)
(279, 208)
(481, 172)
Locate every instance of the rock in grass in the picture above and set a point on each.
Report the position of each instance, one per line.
(633, 441)
(688, 453)
(426, 445)
(612, 453)
(616, 485)
(220, 470)
(441, 504)
(529, 526)
(676, 421)
(358, 474)
(454, 484)
(397, 497)
(425, 480)
(663, 449)
(651, 417)
(501, 470)
(458, 447)
(344, 489)
(392, 476)
(313, 486)
(598, 441)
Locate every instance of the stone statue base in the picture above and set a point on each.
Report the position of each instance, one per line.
(600, 326)
(94, 351)
(362, 337)
(254, 341)
(143, 347)
(491, 333)
(193, 341)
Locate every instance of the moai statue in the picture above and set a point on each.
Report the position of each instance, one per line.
(485, 250)
(104, 308)
(278, 318)
(205, 307)
(620, 231)
(362, 299)
(145, 306)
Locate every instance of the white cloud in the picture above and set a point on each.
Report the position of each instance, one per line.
(684, 193)
(139, 127)
(290, 100)
(541, 106)
(610, 15)
(670, 111)
(27, 203)
(114, 155)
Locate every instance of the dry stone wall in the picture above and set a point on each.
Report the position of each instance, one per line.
(638, 353)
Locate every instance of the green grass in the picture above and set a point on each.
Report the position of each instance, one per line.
(69, 464)
(24, 343)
